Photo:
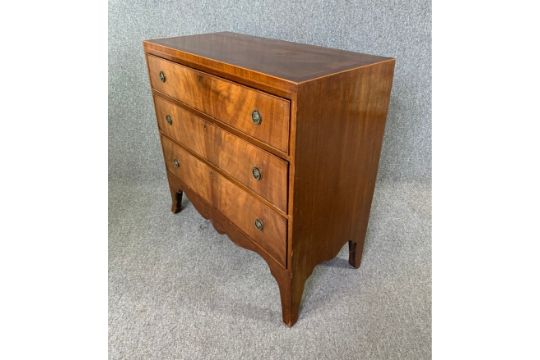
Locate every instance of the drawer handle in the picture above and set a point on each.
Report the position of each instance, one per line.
(256, 117)
(259, 224)
(168, 118)
(257, 174)
(162, 76)
(176, 163)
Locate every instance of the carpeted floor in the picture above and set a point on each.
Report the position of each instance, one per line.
(178, 290)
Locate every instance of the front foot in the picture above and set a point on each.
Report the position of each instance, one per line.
(291, 289)
(176, 201)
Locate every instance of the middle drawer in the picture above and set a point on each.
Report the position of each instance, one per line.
(257, 169)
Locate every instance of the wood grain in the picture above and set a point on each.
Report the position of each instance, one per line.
(274, 65)
(238, 205)
(231, 154)
(335, 104)
(222, 224)
(340, 125)
(225, 101)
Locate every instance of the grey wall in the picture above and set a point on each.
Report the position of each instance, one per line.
(401, 29)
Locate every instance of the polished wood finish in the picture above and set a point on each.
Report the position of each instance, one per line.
(232, 155)
(224, 100)
(272, 65)
(224, 226)
(239, 206)
(340, 126)
(336, 107)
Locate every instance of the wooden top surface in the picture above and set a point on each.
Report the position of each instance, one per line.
(285, 60)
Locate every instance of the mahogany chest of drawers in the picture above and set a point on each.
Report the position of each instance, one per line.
(276, 143)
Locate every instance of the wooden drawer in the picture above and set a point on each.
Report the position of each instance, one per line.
(224, 100)
(240, 207)
(233, 155)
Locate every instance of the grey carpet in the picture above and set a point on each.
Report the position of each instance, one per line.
(178, 290)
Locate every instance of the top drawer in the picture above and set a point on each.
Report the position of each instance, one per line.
(258, 114)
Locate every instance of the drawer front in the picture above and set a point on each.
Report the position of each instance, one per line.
(240, 207)
(226, 101)
(257, 169)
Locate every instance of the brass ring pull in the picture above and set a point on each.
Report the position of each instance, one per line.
(259, 224)
(256, 117)
(257, 174)
(168, 118)
(176, 163)
(162, 76)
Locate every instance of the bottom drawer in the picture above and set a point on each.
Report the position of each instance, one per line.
(257, 220)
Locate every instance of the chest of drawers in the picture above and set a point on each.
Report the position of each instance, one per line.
(276, 143)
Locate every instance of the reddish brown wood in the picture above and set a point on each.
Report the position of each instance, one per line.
(272, 65)
(223, 225)
(340, 125)
(230, 102)
(258, 143)
(335, 122)
(232, 155)
(176, 201)
(240, 207)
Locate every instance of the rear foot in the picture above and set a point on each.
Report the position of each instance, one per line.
(355, 254)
